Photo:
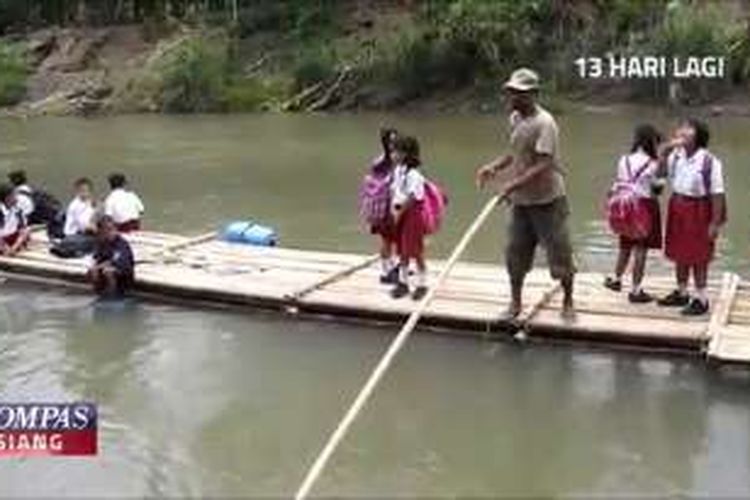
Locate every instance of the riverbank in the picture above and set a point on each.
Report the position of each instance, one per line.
(371, 55)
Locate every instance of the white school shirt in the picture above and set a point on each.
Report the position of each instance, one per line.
(686, 174)
(24, 201)
(636, 161)
(13, 220)
(123, 206)
(78, 216)
(406, 182)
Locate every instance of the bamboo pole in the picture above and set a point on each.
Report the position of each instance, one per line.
(385, 362)
(337, 276)
(178, 246)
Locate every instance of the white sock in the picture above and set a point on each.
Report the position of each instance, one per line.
(701, 294)
(385, 266)
(682, 288)
(422, 278)
(636, 288)
(403, 274)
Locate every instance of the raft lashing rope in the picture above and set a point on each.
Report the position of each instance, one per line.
(250, 233)
(385, 361)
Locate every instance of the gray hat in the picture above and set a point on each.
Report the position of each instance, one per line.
(522, 80)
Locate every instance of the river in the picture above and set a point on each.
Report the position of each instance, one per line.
(214, 403)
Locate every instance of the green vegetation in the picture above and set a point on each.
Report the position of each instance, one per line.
(260, 54)
(13, 74)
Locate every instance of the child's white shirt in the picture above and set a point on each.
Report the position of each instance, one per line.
(406, 183)
(630, 164)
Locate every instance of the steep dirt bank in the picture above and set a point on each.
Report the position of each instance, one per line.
(91, 71)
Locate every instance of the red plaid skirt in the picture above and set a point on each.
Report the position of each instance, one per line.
(687, 239)
(410, 232)
(654, 238)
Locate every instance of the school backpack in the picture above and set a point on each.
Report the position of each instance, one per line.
(47, 208)
(374, 198)
(626, 215)
(708, 164)
(433, 207)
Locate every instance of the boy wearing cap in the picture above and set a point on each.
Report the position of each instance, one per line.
(536, 191)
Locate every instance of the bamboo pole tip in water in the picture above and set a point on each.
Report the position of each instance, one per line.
(291, 310)
(521, 336)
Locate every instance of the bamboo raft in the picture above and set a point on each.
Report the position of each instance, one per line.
(471, 302)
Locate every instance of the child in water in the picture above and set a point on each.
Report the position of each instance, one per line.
(639, 169)
(113, 269)
(407, 197)
(374, 204)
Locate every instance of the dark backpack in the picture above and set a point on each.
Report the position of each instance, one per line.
(47, 208)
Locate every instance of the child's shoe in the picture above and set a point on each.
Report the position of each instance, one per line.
(400, 291)
(419, 293)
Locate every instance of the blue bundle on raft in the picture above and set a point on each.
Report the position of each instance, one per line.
(250, 233)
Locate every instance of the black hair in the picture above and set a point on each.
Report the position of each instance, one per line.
(702, 135)
(83, 181)
(5, 191)
(117, 180)
(103, 219)
(17, 177)
(386, 140)
(409, 146)
(646, 137)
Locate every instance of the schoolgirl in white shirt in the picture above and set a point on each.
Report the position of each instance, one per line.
(122, 205)
(697, 211)
(407, 197)
(640, 169)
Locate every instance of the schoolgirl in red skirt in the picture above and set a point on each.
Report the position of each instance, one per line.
(407, 198)
(375, 205)
(638, 171)
(697, 211)
(14, 233)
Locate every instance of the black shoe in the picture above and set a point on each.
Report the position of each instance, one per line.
(390, 278)
(674, 299)
(613, 284)
(419, 293)
(696, 307)
(400, 291)
(640, 297)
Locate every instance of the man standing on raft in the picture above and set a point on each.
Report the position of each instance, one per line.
(535, 190)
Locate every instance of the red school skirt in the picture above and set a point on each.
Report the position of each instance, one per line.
(410, 233)
(129, 226)
(687, 239)
(654, 238)
(385, 228)
(11, 239)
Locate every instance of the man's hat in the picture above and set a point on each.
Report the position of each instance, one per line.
(522, 80)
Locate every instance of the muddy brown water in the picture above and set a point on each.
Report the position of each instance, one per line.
(207, 403)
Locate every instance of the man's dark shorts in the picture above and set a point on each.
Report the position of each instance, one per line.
(547, 224)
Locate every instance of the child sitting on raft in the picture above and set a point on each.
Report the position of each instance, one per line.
(374, 204)
(14, 233)
(638, 172)
(79, 216)
(123, 205)
(407, 197)
(113, 271)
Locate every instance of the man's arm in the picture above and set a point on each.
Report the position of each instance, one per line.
(488, 171)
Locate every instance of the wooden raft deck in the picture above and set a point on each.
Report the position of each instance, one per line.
(471, 300)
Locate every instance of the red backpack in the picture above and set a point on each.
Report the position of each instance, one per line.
(626, 215)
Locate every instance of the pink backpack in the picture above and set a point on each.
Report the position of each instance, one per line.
(433, 207)
(626, 215)
(374, 198)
